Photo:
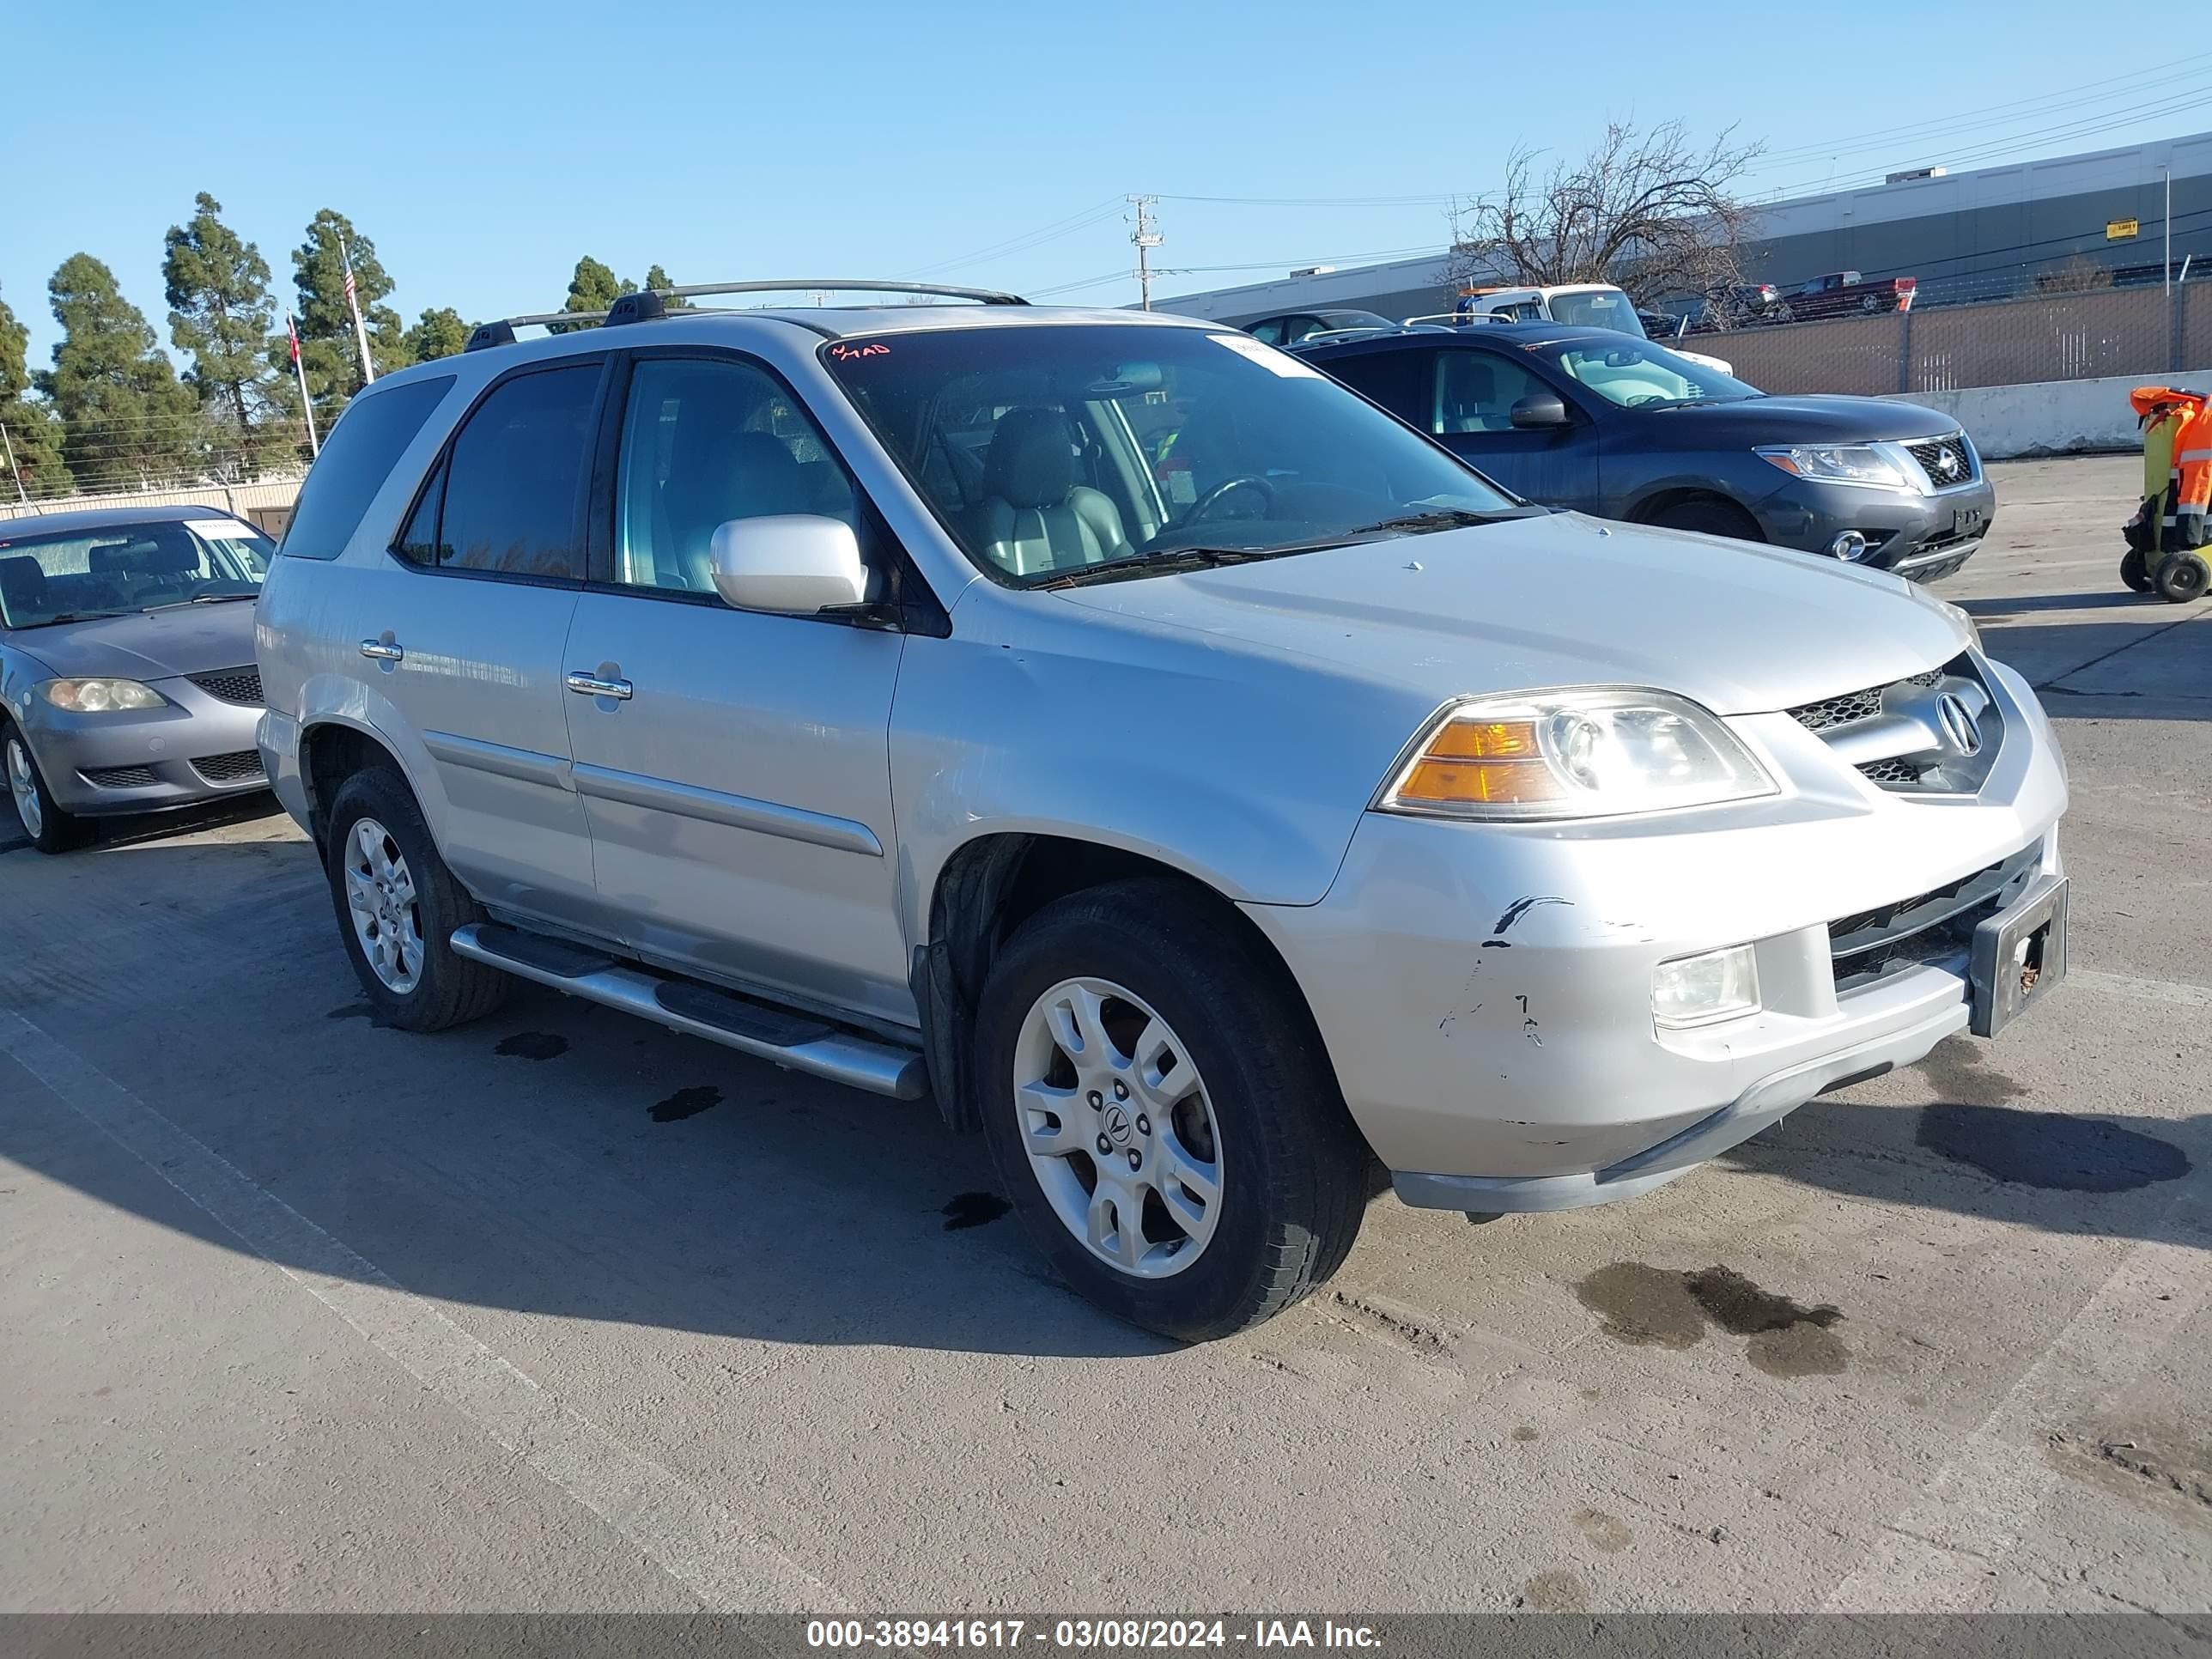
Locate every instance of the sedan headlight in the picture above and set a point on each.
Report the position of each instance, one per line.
(1875, 465)
(98, 696)
(1573, 754)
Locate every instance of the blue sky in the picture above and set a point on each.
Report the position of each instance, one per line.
(485, 144)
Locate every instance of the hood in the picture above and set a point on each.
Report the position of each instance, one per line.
(1564, 600)
(1803, 420)
(158, 645)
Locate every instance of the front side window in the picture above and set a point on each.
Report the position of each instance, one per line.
(1046, 451)
(1475, 391)
(508, 498)
(126, 567)
(1637, 374)
(705, 442)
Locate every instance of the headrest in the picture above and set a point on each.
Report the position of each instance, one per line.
(1030, 462)
(23, 579)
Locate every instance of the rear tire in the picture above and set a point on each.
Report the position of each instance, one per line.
(1195, 1015)
(2182, 577)
(2133, 572)
(397, 906)
(50, 828)
(1709, 515)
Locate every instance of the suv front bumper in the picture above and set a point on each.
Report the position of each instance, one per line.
(1485, 990)
(1925, 537)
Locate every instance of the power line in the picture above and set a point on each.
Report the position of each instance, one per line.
(1098, 213)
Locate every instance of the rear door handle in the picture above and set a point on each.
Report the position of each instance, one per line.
(591, 685)
(381, 650)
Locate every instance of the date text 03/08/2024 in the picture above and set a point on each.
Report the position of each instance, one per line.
(1082, 1633)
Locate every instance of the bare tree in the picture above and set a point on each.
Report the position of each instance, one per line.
(1655, 212)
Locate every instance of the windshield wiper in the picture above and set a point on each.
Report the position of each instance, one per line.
(1434, 518)
(198, 599)
(1167, 559)
(72, 616)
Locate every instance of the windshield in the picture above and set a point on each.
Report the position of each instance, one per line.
(1047, 451)
(69, 576)
(1636, 374)
(1597, 308)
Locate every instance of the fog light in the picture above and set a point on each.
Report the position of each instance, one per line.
(1849, 546)
(1700, 989)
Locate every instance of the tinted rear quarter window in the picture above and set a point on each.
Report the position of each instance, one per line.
(369, 438)
(510, 500)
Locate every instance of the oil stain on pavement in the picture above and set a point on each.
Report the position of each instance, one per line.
(972, 1210)
(532, 1045)
(1661, 1307)
(686, 1103)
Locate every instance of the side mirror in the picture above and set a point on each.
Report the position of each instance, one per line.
(1539, 409)
(793, 563)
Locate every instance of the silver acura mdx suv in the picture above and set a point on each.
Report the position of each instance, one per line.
(1191, 777)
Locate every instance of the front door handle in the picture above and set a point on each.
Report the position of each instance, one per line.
(381, 650)
(591, 685)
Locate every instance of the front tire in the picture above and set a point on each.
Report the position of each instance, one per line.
(50, 828)
(397, 906)
(1162, 1114)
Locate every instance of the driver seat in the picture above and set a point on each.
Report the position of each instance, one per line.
(1033, 516)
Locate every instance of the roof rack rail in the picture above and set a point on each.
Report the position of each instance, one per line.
(648, 304)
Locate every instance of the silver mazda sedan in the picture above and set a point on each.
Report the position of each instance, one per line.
(127, 682)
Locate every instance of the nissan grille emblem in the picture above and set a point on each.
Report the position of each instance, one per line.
(1959, 727)
(1947, 463)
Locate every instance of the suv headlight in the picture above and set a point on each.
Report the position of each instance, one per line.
(98, 696)
(1875, 465)
(1573, 754)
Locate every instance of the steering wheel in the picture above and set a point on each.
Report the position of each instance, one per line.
(1198, 509)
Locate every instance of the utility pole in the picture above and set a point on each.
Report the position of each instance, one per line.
(2169, 228)
(1147, 237)
(14, 471)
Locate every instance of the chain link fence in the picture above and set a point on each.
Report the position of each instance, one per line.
(2145, 331)
(266, 504)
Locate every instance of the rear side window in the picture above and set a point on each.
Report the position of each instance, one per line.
(376, 427)
(508, 498)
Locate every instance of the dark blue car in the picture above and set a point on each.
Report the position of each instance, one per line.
(1621, 427)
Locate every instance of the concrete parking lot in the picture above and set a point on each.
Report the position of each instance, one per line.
(561, 1311)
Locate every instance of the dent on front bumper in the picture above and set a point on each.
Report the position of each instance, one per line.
(1485, 989)
(195, 748)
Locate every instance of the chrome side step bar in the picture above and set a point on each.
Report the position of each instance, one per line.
(845, 1057)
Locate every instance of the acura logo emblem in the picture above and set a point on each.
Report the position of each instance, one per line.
(1960, 730)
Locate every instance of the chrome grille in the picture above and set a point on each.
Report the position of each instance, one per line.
(119, 777)
(241, 766)
(1852, 705)
(239, 685)
(1947, 461)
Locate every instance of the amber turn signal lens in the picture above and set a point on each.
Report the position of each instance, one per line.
(1484, 740)
(1478, 782)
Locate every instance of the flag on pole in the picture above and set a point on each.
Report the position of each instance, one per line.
(299, 368)
(353, 304)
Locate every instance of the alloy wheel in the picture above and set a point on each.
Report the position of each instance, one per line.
(23, 785)
(1118, 1127)
(381, 897)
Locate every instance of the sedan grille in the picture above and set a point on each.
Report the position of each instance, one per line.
(241, 766)
(119, 777)
(1947, 461)
(238, 685)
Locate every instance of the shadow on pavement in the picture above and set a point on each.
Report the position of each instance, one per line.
(559, 1158)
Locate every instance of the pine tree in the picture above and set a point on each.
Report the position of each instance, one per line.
(441, 333)
(127, 423)
(326, 338)
(33, 433)
(220, 311)
(593, 288)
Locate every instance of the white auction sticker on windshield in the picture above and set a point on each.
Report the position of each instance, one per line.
(1267, 356)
